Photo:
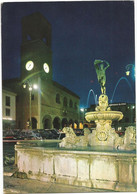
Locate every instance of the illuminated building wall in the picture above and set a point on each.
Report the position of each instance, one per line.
(8, 109)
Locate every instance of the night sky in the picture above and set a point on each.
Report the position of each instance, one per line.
(81, 33)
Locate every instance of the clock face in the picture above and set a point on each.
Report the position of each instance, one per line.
(46, 67)
(29, 65)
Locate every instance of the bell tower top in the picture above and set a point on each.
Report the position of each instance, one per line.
(36, 54)
(35, 27)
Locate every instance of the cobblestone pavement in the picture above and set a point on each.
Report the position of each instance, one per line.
(20, 186)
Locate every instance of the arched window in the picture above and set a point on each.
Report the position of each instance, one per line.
(70, 104)
(58, 98)
(65, 102)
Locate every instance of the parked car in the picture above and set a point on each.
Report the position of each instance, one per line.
(50, 133)
(9, 137)
(42, 133)
(29, 134)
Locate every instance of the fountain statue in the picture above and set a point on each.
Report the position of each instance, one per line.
(100, 159)
(100, 70)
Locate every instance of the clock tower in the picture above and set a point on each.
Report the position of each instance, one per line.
(36, 54)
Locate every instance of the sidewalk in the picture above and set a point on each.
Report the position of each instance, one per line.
(17, 185)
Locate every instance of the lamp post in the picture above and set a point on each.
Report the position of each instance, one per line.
(30, 87)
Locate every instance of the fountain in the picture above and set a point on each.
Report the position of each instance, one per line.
(122, 78)
(95, 96)
(103, 117)
(100, 159)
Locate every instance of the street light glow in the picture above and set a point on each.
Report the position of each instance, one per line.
(127, 73)
(30, 88)
(35, 86)
(130, 68)
(24, 86)
(82, 109)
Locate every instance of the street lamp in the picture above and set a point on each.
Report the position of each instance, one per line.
(82, 110)
(129, 68)
(35, 86)
(30, 87)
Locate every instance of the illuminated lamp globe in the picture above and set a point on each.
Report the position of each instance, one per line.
(35, 86)
(127, 73)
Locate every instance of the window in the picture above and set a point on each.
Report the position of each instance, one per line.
(70, 104)
(58, 98)
(65, 101)
(7, 101)
(7, 112)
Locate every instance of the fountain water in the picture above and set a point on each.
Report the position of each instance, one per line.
(95, 96)
(75, 164)
(122, 78)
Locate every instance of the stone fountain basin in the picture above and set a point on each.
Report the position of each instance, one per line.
(104, 115)
(97, 169)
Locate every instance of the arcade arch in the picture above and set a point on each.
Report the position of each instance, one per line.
(56, 123)
(71, 122)
(47, 122)
(64, 122)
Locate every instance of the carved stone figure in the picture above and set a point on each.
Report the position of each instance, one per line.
(103, 103)
(100, 70)
(72, 141)
(129, 139)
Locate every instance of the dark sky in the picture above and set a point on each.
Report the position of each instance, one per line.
(81, 33)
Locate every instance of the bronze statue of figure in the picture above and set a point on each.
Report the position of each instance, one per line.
(101, 67)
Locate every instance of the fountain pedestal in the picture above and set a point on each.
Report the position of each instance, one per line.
(103, 117)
